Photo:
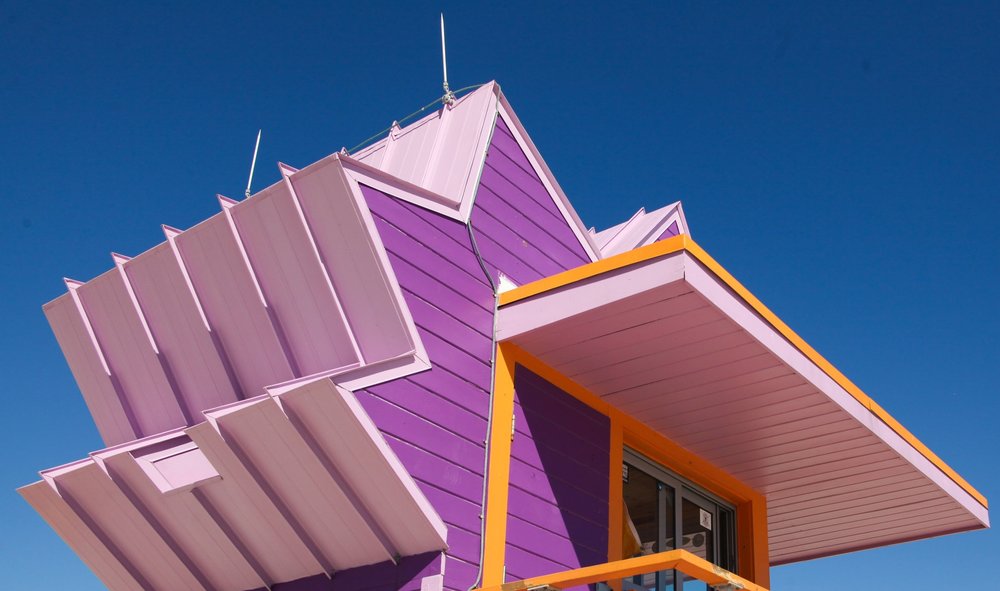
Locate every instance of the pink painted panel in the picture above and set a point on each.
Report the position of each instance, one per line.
(348, 437)
(283, 459)
(876, 499)
(788, 464)
(898, 477)
(538, 312)
(649, 393)
(86, 361)
(112, 512)
(409, 149)
(851, 474)
(731, 390)
(775, 419)
(669, 332)
(294, 281)
(711, 287)
(130, 352)
(461, 144)
(693, 358)
(179, 327)
(372, 155)
(252, 517)
(687, 398)
(187, 523)
(857, 529)
(691, 417)
(777, 442)
(881, 538)
(53, 508)
(600, 324)
(344, 236)
(233, 304)
(443, 151)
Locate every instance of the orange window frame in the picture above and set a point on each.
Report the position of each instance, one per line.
(751, 508)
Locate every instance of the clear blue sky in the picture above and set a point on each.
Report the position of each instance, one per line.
(842, 161)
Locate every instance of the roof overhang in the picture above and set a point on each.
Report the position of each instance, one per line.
(291, 484)
(666, 335)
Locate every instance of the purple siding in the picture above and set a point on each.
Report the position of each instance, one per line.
(672, 230)
(436, 429)
(558, 508)
(435, 421)
(519, 229)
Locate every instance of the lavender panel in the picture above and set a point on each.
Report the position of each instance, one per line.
(571, 498)
(519, 228)
(672, 230)
(435, 420)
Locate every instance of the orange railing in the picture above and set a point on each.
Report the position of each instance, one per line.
(680, 560)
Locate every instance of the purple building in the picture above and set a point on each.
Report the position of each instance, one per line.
(412, 367)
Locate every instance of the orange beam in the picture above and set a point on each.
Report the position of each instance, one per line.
(498, 470)
(615, 498)
(684, 243)
(576, 274)
(681, 560)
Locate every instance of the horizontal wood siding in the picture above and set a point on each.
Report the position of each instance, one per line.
(519, 229)
(558, 506)
(435, 421)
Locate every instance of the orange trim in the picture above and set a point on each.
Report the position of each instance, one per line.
(681, 560)
(761, 567)
(495, 542)
(684, 243)
(628, 431)
(615, 493)
(751, 513)
(630, 257)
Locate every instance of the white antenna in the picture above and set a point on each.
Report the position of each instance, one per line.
(449, 96)
(253, 163)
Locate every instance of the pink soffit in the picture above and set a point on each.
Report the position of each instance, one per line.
(667, 342)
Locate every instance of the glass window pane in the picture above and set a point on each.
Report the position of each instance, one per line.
(727, 539)
(697, 533)
(641, 527)
(648, 526)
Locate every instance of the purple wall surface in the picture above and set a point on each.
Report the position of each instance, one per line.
(558, 507)
(672, 230)
(435, 421)
(519, 229)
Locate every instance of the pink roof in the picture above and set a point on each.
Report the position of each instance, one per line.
(270, 489)
(641, 229)
(289, 284)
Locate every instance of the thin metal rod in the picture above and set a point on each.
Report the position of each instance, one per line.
(444, 57)
(253, 163)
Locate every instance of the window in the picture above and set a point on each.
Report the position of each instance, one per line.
(664, 512)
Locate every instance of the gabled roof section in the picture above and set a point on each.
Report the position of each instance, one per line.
(440, 158)
(269, 490)
(291, 283)
(641, 229)
(443, 152)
